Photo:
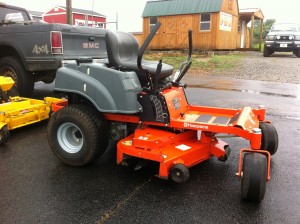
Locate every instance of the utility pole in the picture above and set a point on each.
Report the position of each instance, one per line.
(69, 12)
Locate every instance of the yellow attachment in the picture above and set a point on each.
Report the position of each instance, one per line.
(6, 83)
(19, 111)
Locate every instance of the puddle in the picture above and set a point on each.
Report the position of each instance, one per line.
(293, 118)
(245, 91)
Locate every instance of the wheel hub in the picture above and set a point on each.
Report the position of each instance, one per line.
(70, 137)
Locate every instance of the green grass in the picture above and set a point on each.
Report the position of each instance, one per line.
(257, 46)
(199, 62)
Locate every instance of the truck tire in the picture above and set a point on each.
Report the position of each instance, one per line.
(267, 52)
(12, 67)
(78, 134)
(297, 52)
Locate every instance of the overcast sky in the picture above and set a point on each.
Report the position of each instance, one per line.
(130, 11)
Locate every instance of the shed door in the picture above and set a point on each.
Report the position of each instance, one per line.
(183, 25)
(176, 31)
(170, 34)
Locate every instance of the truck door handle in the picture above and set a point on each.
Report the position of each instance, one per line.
(91, 38)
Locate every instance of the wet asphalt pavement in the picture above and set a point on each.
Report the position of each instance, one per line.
(35, 187)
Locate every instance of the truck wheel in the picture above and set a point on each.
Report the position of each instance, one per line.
(12, 67)
(266, 52)
(297, 53)
(78, 134)
(179, 173)
(254, 177)
(269, 139)
(4, 135)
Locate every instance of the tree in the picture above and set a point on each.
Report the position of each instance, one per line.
(256, 32)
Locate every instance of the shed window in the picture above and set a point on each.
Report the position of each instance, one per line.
(153, 21)
(205, 22)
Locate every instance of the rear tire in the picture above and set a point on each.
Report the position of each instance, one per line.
(254, 177)
(78, 134)
(297, 53)
(269, 139)
(267, 52)
(24, 82)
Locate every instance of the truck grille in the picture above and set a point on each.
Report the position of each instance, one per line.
(284, 38)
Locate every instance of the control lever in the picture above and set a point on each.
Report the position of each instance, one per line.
(145, 45)
(183, 72)
(156, 76)
(186, 64)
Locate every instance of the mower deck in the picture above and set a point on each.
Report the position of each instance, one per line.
(168, 148)
(188, 138)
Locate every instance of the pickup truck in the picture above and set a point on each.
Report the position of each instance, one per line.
(33, 51)
(283, 37)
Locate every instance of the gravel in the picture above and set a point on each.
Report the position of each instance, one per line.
(279, 67)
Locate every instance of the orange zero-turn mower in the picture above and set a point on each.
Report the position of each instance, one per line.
(137, 104)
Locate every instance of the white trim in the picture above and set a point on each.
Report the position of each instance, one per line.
(54, 14)
(63, 13)
(56, 6)
(79, 13)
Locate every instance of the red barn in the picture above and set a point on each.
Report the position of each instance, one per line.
(81, 17)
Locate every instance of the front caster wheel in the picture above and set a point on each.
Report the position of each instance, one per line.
(269, 139)
(254, 177)
(78, 134)
(179, 173)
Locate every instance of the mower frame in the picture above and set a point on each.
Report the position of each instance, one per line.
(153, 120)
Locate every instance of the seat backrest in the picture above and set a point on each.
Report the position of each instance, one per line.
(122, 49)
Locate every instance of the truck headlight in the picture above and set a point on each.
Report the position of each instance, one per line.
(270, 37)
(297, 37)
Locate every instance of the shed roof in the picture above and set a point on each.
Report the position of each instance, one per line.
(179, 7)
(256, 12)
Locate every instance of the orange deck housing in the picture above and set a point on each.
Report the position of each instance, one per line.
(196, 126)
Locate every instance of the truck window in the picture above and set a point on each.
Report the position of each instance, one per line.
(285, 27)
(11, 15)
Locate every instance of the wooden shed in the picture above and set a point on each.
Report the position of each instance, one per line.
(214, 23)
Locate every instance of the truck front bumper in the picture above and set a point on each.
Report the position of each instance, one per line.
(287, 46)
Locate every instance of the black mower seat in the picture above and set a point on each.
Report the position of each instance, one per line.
(122, 50)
